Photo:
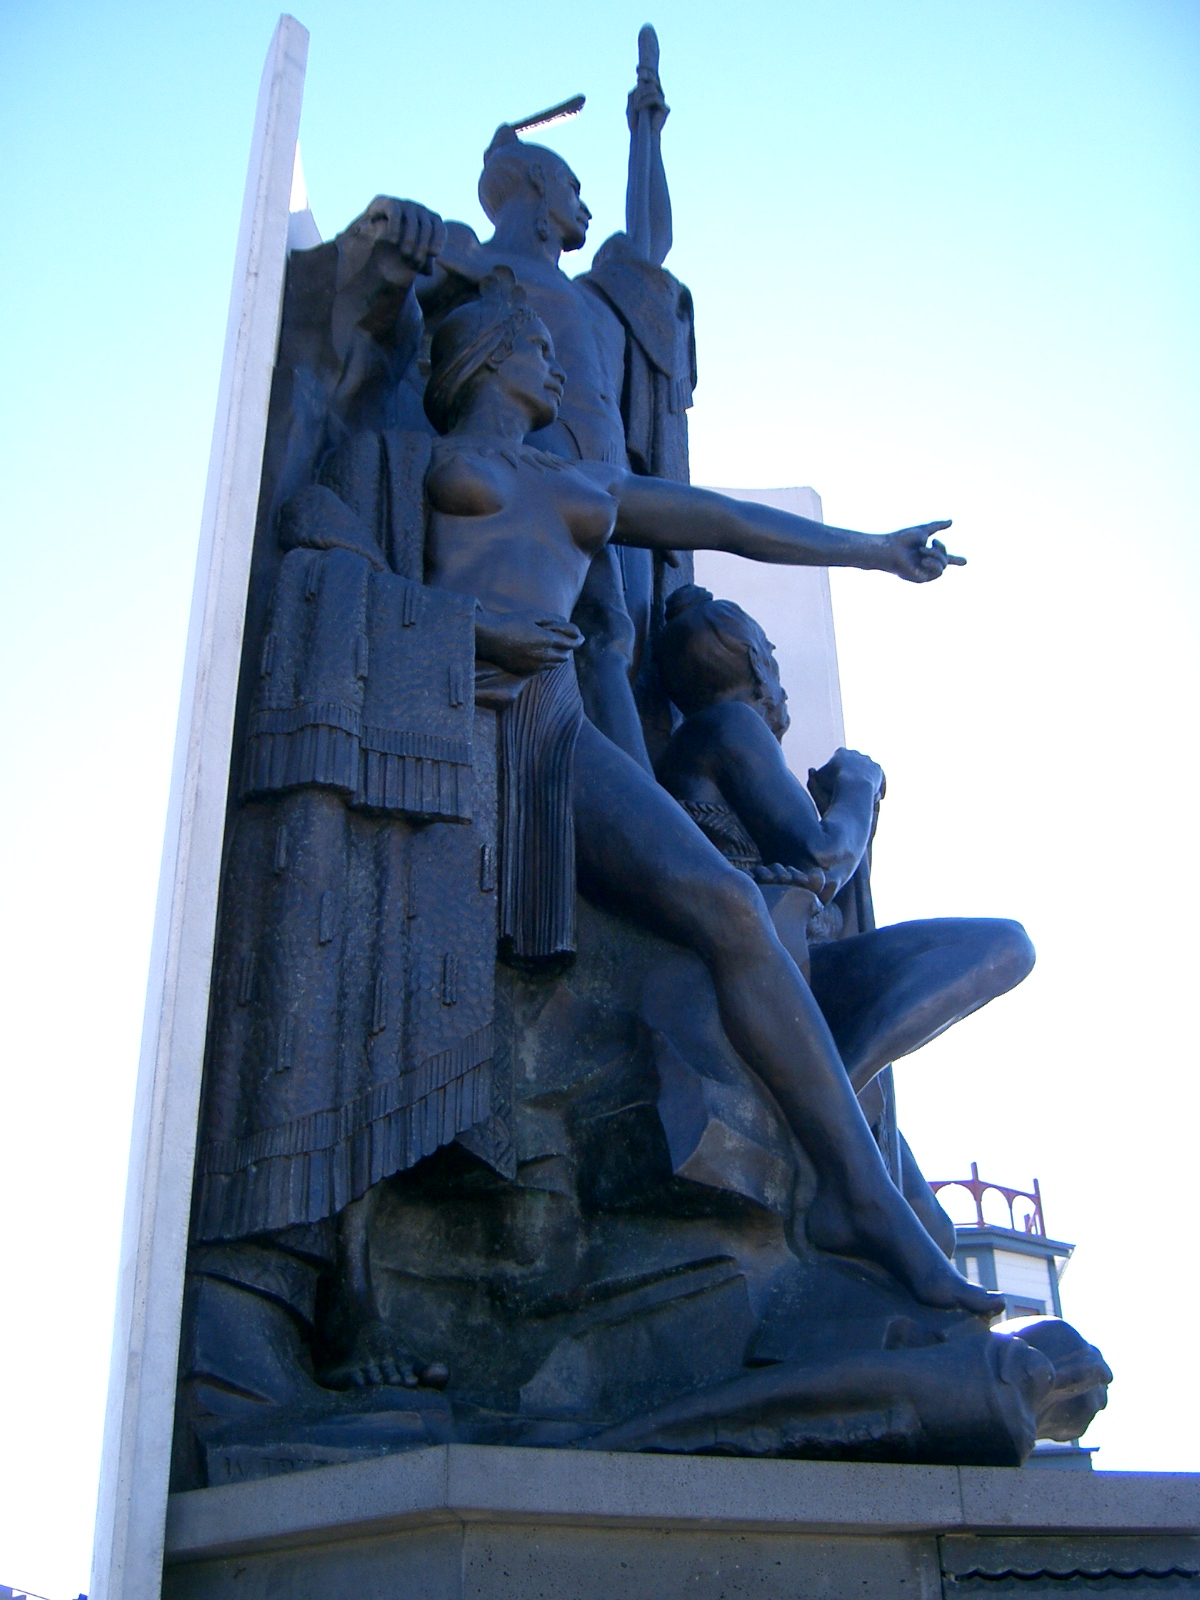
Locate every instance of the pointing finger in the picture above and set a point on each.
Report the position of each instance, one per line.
(953, 561)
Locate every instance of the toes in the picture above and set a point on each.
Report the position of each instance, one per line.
(436, 1375)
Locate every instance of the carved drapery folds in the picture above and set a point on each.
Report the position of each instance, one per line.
(660, 355)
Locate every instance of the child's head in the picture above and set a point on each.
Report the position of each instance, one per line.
(710, 651)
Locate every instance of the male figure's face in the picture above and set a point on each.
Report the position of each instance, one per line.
(569, 217)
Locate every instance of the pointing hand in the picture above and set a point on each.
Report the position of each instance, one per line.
(913, 553)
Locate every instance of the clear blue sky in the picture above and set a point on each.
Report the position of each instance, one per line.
(945, 259)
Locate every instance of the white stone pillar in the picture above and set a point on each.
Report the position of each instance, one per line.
(793, 605)
(131, 1510)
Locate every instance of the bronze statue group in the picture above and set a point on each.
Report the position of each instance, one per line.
(478, 684)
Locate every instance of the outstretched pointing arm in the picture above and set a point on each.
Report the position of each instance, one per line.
(675, 516)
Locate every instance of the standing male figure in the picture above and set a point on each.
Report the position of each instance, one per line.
(623, 333)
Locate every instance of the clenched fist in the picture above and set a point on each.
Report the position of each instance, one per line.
(398, 238)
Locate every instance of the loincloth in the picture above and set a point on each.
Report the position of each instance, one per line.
(538, 724)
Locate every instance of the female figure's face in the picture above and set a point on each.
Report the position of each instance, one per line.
(532, 377)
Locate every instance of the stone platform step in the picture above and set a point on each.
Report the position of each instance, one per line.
(515, 1524)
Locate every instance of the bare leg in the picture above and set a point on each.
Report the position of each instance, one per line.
(886, 993)
(373, 1354)
(921, 1198)
(638, 851)
(608, 656)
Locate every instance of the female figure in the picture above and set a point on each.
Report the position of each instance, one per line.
(517, 530)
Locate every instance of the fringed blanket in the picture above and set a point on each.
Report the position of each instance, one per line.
(352, 1003)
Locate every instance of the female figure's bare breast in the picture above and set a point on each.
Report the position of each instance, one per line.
(513, 527)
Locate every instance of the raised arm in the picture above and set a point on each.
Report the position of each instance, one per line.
(380, 255)
(676, 516)
(647, 201)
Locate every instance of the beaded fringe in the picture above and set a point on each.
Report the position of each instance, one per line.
(383, 770)
(314, 1166)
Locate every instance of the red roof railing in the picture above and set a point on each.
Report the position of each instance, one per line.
(977, 1187)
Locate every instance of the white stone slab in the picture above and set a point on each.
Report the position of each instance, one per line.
(303, 233)
(131, 1510)
(794, 607)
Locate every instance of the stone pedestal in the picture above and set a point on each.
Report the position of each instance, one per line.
(510, 1524)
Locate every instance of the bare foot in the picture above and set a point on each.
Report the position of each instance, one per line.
(886, 1230)
(378, 1358)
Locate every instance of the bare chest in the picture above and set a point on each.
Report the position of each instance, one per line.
(536, 546)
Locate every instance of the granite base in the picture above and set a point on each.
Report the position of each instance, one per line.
(511, 1524)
